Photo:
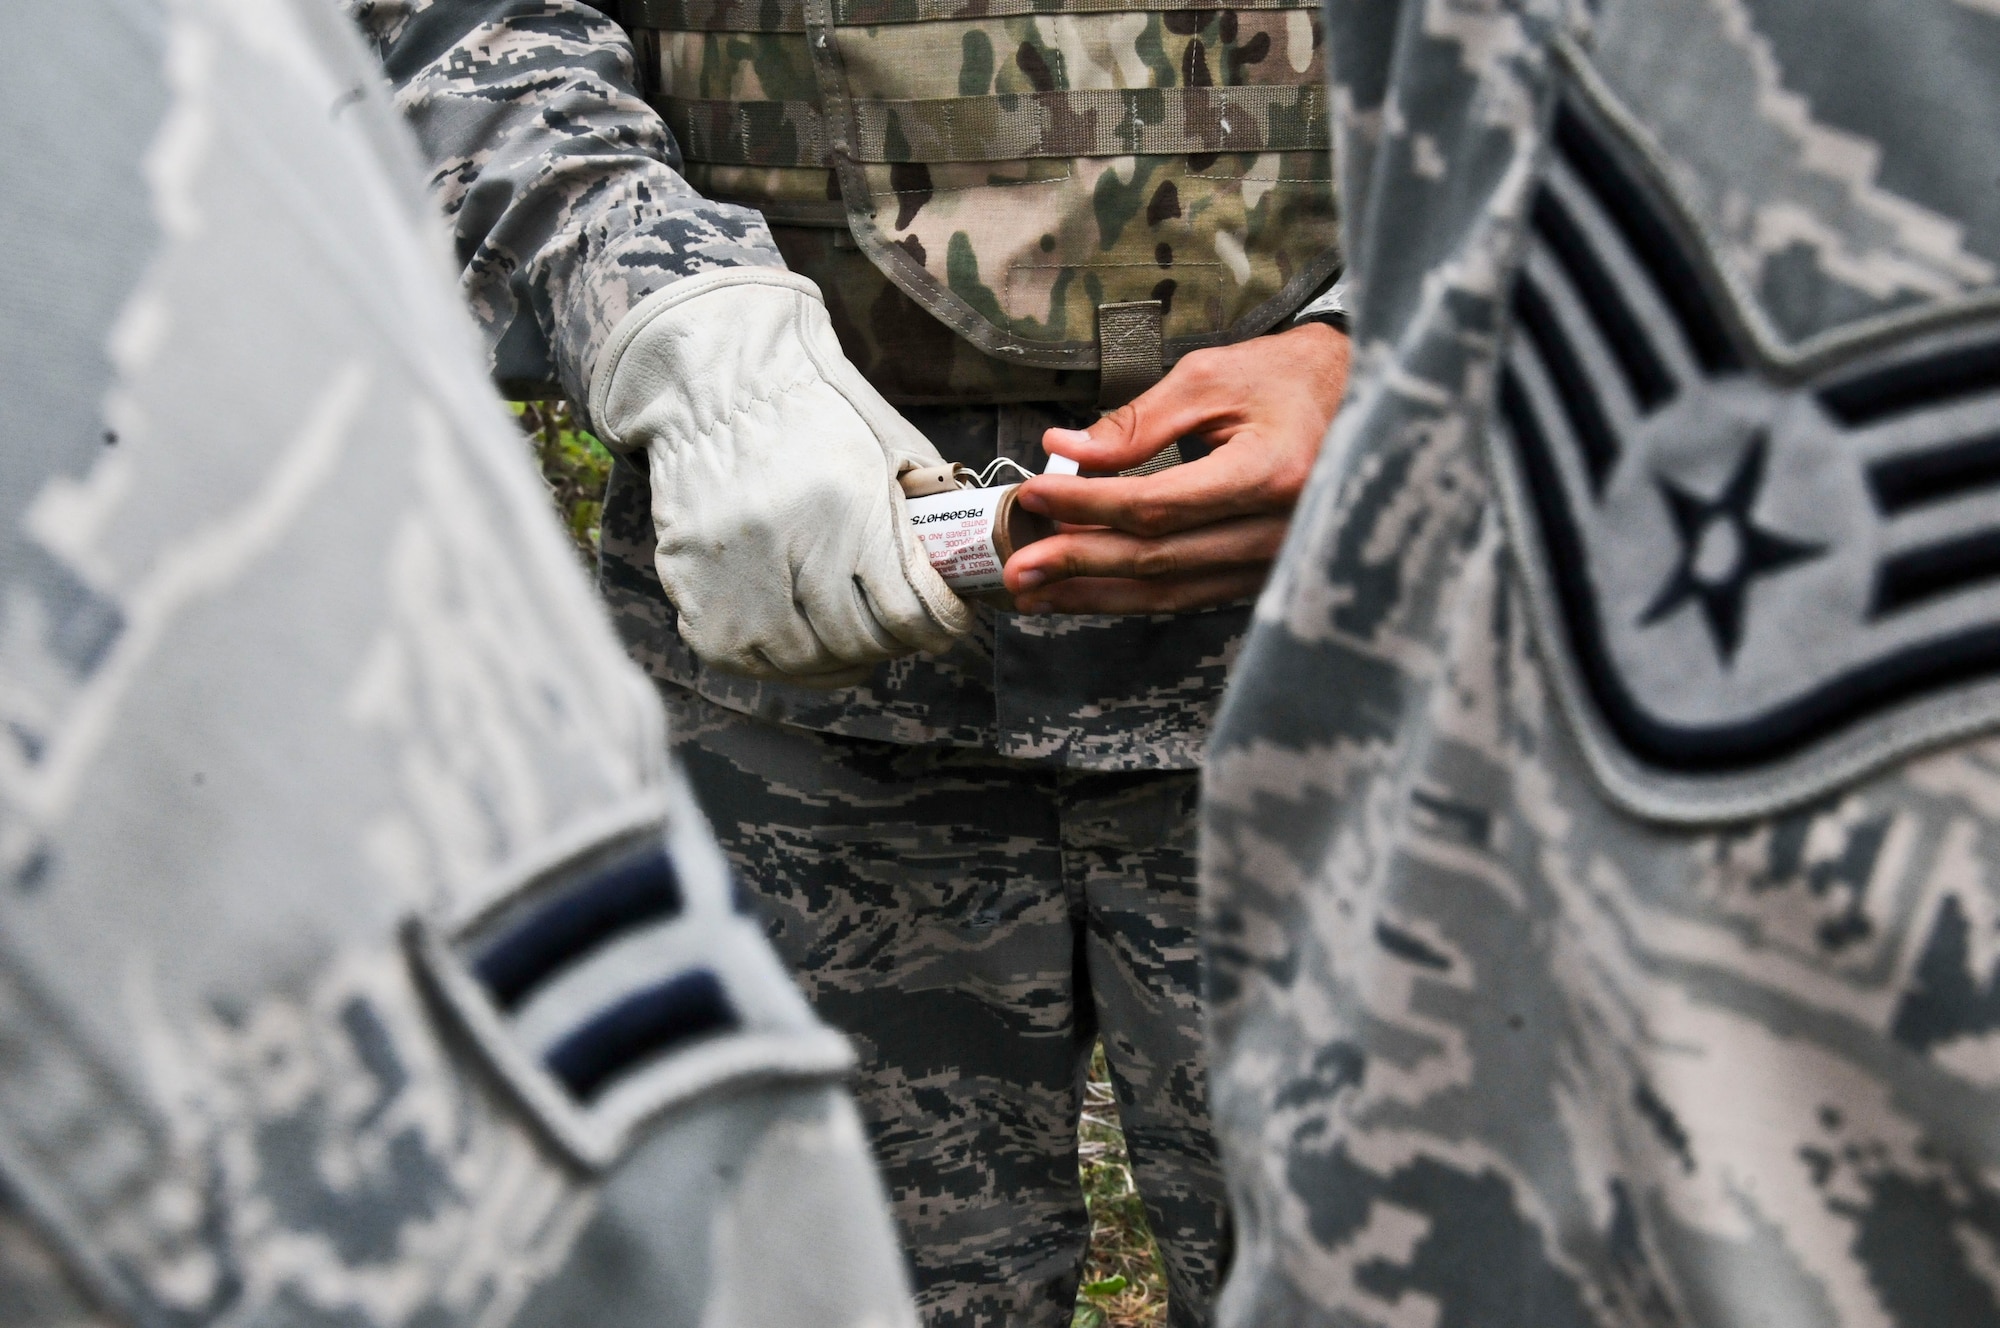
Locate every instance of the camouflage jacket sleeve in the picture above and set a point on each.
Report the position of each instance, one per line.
(1329, 306)
(435, 1001)
(1507, 950)
(562, 186)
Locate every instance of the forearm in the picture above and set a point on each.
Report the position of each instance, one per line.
(562, 186)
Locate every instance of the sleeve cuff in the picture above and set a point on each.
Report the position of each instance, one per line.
(1329, 307)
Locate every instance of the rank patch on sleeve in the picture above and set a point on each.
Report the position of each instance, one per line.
(1757, 572)
(616, 977)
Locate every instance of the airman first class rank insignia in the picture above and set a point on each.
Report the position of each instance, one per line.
(1756, 573)
(619, 977)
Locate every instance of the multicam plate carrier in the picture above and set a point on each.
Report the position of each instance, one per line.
(1011, 165)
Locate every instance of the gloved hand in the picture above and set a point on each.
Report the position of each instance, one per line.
(782, 537)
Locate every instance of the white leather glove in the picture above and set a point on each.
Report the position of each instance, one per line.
(782, 537)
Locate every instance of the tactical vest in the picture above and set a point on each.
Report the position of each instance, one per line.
(971, 181)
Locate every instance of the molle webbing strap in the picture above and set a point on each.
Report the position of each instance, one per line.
(1092, 122)
(747, 133)
(1170, 455)
(1131, 354)
(790, 15)
(1130, 359)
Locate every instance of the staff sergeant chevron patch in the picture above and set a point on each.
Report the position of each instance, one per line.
(1756, 572)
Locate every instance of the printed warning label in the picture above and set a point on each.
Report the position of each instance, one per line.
(957, 534)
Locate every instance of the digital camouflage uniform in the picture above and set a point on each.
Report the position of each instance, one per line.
(1600, 841)
(362, 960)
(975, 861)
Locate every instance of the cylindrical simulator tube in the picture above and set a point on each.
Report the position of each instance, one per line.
(969, 534)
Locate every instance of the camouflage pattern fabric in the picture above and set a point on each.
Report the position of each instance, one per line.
(515, 102)
(563, 188)
(975, 922)
(993, 802)
(363, 961)
(1083, 691)
(912, 359)
(36, 1289)
(1013, 171)
(906, 353)
(1521, 1017)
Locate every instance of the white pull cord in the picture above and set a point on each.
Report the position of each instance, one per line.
(993, 468)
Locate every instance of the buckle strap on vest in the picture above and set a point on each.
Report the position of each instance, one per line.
(1088, 122)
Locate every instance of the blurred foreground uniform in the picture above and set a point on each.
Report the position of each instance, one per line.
(975, 858)
(361, 960)
(1602, 835)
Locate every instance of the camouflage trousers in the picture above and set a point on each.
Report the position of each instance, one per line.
(974, 923)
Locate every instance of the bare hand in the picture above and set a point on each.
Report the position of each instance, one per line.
(1199, 534)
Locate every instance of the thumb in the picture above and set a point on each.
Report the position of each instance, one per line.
(1116, 442)
(1135, 432)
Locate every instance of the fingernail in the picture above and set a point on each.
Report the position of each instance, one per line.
(1066, 436)
(1029, 580)
(1033, 501)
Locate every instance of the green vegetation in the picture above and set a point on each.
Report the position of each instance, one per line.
(575, 466)
(1123, 1286)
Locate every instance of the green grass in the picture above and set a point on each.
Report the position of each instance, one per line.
(575, 466)
(1123, 1286)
